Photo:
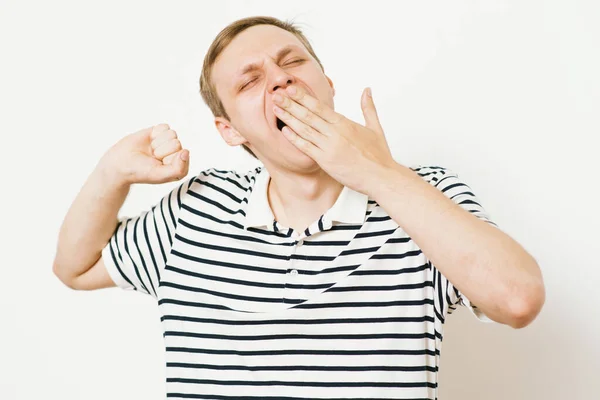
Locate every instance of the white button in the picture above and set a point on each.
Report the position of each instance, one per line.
(294, 272)
(300, 242)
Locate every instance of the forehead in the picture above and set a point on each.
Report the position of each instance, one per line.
(250, 46)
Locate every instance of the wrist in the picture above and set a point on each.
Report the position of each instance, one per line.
(109, 176)
(389, 179)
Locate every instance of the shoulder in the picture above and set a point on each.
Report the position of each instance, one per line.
(433, 174)
(228, 180)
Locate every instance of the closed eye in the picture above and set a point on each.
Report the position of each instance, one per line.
(247, 83)
(299, 60)
(294, 61)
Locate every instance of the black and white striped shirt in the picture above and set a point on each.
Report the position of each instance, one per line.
(251, 309)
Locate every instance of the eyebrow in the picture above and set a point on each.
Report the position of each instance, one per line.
(284, 51)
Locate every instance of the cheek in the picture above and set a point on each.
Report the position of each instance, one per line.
(250, 108)
(318, 82)
(324, 92)
(250, 117)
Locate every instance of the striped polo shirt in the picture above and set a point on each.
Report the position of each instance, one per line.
(349, 308)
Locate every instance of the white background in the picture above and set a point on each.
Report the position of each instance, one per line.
(505, 93)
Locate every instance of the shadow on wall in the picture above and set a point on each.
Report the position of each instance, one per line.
(496, 362)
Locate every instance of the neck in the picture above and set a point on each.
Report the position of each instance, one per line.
(298, 199)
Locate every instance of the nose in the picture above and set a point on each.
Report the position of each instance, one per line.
(280, 79)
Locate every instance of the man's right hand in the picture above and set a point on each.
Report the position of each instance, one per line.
(151, 155)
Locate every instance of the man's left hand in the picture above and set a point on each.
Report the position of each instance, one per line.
(353, 154)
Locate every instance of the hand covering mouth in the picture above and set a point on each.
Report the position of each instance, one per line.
(280, 124)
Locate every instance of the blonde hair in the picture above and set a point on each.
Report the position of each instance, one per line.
(207, 87)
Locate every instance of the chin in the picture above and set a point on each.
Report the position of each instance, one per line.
(292, 157)
(301, 162)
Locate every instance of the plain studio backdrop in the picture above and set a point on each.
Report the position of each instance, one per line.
(505, 93)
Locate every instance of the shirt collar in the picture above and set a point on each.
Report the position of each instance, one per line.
(350, 206)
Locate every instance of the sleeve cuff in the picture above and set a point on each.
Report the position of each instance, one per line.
(112, 268)
(480, 315)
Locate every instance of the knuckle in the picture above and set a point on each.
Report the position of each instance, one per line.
(158, 130)
(319, 108)
(166, 135)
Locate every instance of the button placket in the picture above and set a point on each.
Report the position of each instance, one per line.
(293, 271)
(292, 274)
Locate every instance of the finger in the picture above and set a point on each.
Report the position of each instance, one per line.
(163, 136)
(302, 113)
(169, 159)
(299, 127)
(302, 144)
(157, 129)
(144, 132)
(318, 108)
(370, 112)
(172, 146)
(177, 170)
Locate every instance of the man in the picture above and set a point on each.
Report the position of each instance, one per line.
(327, 273)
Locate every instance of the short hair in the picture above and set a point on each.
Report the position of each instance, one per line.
(207, 87)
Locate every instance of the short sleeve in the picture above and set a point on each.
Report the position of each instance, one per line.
(136, 253)
(448, 297)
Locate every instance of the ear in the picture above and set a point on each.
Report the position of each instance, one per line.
(228, 132)
(331, 85)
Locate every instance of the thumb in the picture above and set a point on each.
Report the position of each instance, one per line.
(369, 111)
(177, 169)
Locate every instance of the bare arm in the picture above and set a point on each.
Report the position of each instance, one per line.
(87, 227)
(485, 264)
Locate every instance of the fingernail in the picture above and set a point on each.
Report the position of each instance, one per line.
(369, 93)
(185, 155)
(277, 98)
(291, 90)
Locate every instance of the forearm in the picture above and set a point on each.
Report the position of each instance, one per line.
(89, 223)
(485, 264)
